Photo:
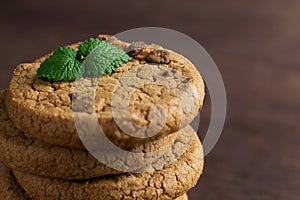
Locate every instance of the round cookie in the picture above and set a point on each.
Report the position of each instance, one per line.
(32, 156)
(171, 182)
(43, 109)
(9, 188)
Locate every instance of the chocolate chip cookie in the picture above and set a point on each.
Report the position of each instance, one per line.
(44, 109)
(169, 183)
(25, 154)
(11, 190)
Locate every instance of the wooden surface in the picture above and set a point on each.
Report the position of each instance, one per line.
(256, 45)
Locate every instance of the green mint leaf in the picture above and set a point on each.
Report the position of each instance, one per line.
(93, 58)
(87, 47)
(100, 57)
(61, 66)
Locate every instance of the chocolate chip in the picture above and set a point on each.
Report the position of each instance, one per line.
(167, 73)
(136, 47)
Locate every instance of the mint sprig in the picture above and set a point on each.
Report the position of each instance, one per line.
(88, 46)
(93, 58)
(62, 65)
(100, 57)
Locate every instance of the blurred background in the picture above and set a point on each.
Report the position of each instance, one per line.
(256, 45)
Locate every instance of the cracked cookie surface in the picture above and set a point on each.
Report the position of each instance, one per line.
(43, 109)
(169, 183)
(11, 190)
(32, 156)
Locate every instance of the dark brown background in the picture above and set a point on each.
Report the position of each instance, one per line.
(256, 45)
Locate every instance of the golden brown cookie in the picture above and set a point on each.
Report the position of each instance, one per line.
(43, 109)
(9, 188)
(32, 156)
(169, 183)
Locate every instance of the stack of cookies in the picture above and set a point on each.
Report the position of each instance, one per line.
(46, 155)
